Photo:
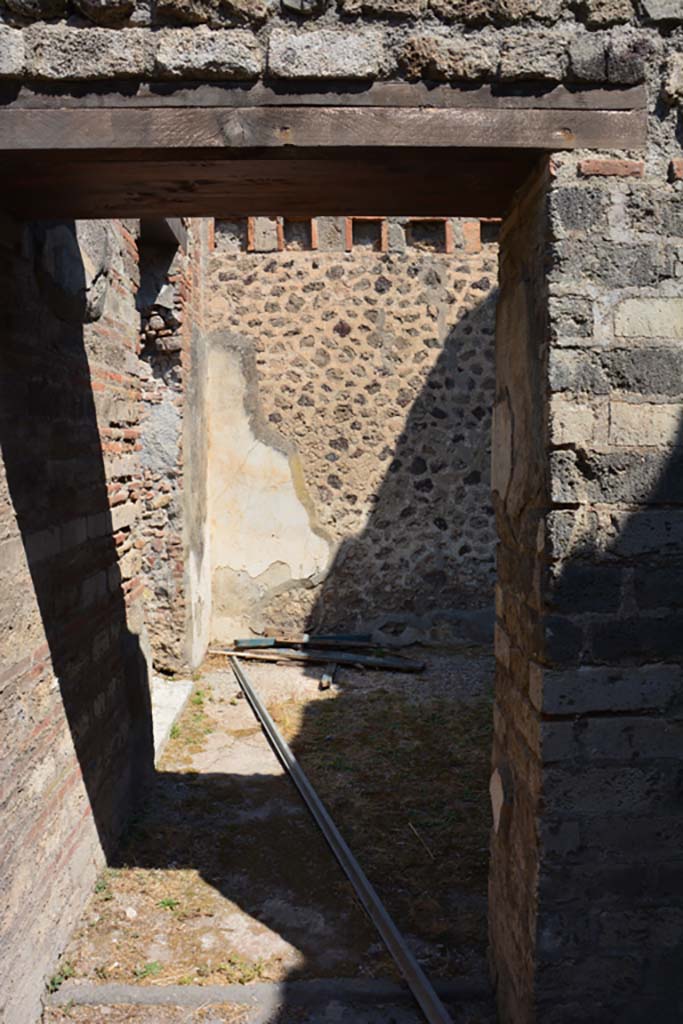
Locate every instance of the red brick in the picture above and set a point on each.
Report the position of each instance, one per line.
(471, 230)
(611, 168)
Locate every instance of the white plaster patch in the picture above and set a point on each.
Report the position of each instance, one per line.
(257, 518)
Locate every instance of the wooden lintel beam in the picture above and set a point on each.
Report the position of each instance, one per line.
(114, 129)
(515, 96)
(337, 183)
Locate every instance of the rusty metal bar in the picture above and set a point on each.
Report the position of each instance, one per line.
(419, 984)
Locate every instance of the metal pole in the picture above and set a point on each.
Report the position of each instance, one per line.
(431, 1005)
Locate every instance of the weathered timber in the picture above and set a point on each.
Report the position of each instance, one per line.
(224, 183)
(391, 664)
(534, 96)
(115, 129)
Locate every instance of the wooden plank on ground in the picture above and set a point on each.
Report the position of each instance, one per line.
(322, 127)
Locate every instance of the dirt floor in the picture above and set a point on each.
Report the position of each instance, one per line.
(223, 877)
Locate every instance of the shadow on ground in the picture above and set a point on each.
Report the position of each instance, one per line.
(224, 878)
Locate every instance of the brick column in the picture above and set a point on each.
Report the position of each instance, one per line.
(586, 911)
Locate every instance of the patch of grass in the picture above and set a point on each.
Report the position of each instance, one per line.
(407, 782)
(168, 903)
(188, 734)
(103, 886)
(238, 971)
(65, 971)
(149, 970)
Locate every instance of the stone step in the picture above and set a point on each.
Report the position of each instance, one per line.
(318, 1001)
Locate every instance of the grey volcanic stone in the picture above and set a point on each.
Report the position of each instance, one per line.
(304, 7)
(672, 86)
(325, 53)
(601, 13)
(438, 59)
(221, 53)
(386, 8)
(588, 57)
(73, 264)
(36, 10)
(627, 57)
(213, 12)
(533, 56)
(190, 12)
(664, 10)
(106, 12)
(497, 12)
(61, 52)
(11, 52)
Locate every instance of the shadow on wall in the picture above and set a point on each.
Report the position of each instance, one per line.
(52, 452)
(424, 565)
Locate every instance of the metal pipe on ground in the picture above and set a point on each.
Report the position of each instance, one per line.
(432, 1007)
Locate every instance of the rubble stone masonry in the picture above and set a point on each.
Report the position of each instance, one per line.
(173, 515)
(349, 423)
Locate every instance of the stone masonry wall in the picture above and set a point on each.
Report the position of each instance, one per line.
(586, 909)
(173, 520)
(574, 41)
(74, 702)
(349, 425)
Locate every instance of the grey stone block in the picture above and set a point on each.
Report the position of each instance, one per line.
(11, 52)
(659, 586)
(633, 476)
(639, 639)
(577, 209)
(577, 372)
(106, 12)
(385, 8)
(627, 57)
(62, 52)
(442, 59)
(37, 10)
(571, 316)
(331, 234)
(325, 53)
(204, 52)
(664, 10)
(649, 371)
(563, 639)
(613, 264)
(589, 688)
(303, 7)
(534, 56)
(594, 792)
(586, 587)
(265, 234)
(588, 58)
(657, 533)
(619, 738)
(602, 13)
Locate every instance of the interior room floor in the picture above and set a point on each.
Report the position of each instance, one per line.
(226, 904)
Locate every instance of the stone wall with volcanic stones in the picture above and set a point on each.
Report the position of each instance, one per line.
(585, 917)
(173, 452)
(351, 382)
(570, 41)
